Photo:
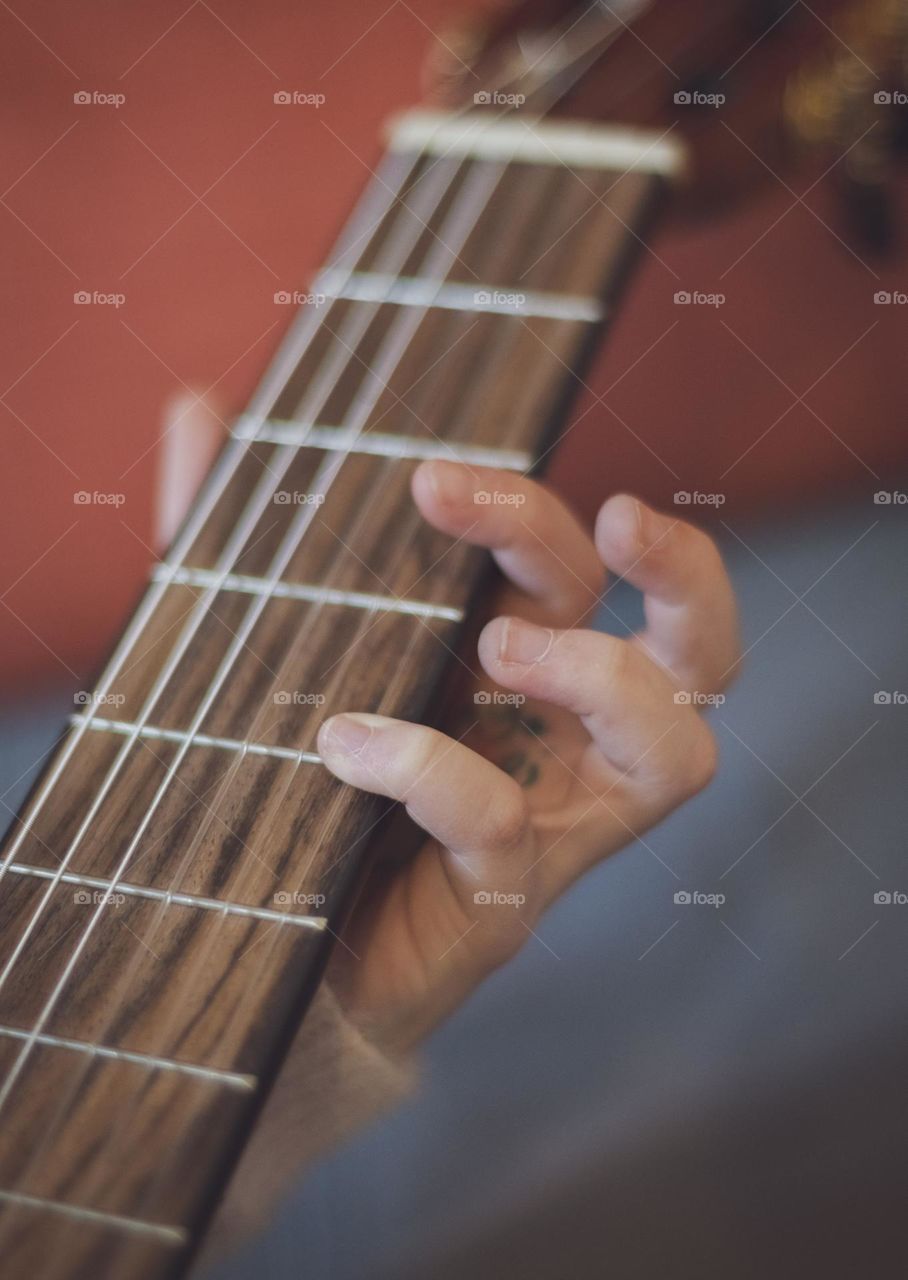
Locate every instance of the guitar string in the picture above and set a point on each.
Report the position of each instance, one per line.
(404, 666)
(262, 498)
(329, 819)
(402, 670)
(293, 537)
(305, 330)
(228, 463)
(187, 540)
(287, 359)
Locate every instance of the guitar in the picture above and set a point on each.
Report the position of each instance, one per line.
(173, 884)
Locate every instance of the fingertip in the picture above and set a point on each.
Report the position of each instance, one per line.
(490, 644)
(627, 529)
(349, 733)
(617, 531)
(422, 485)
(441, 485)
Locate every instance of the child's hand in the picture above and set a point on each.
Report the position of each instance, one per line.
(607, 741)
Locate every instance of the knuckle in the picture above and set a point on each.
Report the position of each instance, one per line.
(413, 758)
(507, 820)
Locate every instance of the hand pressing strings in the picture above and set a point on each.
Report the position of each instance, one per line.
(595, 747)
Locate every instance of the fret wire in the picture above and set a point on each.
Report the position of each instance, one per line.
(372, 286)
(251, 585)
(175, 1236)
(170, 896)
(277, 431)
(326, 475)
(231, 1079)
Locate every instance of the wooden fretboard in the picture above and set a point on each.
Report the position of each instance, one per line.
(168, 891)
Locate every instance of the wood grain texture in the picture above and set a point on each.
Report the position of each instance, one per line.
(174, 985)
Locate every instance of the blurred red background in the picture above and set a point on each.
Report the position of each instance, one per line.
(198, 199)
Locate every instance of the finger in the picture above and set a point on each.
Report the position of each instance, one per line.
(628, 705)
(191, 437)
(538, 544)
(489, 839)
(691, 619)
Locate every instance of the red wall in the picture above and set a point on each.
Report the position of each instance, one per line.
(105, 199)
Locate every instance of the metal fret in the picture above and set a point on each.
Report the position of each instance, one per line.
(413, 291)
(175, 1236)
(128, 728)
(253, 586)
(318, 923)
(530, 140)
(230, 1079)
(382, 444)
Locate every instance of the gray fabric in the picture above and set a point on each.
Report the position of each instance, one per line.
(727, 1101)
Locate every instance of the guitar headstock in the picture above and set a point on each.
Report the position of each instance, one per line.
(752, 86)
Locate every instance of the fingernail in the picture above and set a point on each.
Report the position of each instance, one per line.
(451, 482)
(351, 731)
(524, 642)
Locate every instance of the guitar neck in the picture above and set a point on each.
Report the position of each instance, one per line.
(171, 887)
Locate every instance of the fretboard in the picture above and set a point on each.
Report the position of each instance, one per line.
(170, 889)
